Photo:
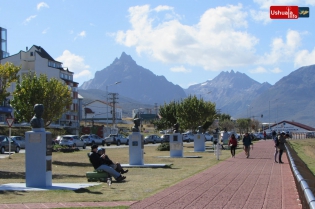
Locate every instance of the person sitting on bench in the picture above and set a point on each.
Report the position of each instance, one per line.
(98, 164)
(107, 161)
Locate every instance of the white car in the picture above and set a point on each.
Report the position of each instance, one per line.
(208, 137)
(188, 137)
(117, 139)
(91, 139)
(72, 141)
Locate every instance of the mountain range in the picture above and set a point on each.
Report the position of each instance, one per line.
(234, 93)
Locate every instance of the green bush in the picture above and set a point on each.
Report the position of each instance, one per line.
(163, 147)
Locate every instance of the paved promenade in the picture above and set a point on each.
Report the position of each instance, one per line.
(256, 182)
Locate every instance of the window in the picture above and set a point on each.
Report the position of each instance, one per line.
(32, 54)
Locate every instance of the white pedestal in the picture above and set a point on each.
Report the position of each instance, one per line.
(38, 151)
(176, 145)
(136, 149)
(199, 143)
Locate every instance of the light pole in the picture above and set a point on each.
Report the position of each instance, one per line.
(118, 82)
(269, 117)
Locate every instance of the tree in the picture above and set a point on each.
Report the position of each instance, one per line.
(8, 74)
(53, 94)
(168, 114)
(193, 112)
(243, 124)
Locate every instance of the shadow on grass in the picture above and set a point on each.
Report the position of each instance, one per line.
(84, 190)
(72, 164)
(21, 175)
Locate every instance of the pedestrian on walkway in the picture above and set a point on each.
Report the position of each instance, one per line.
(233, 144)
(247, 141)
(265, 135)
(281, 147)
(276, 141)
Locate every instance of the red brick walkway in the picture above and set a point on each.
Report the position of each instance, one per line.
(256, 182)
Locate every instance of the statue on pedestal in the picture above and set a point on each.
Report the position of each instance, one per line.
(135, 128)
(175, 128)
(37, 121)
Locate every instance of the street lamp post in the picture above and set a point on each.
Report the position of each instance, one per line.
(118, 82)
(269, 116)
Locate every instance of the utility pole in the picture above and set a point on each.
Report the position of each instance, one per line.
(114, 97)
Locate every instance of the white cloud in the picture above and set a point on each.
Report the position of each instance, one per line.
(163, 8)
(282, 50)
(262, 16)
(304, 58)
(180, 69)
(258, 70)
(42, 5)
(276, 70)
(75, 64)
(27, 20)
(45, 31)
(81, 34)
(265, 4)
(217, 36)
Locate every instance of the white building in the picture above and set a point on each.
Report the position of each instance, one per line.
(37, 60)
(101, 112)
(290, 126)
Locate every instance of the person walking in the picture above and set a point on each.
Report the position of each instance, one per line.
(247, 141)
(265, 135)
(281, 147)
(233, 144)
(276, 141)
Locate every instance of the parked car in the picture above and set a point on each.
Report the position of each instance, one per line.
(20, 140)
(165, 138)
(4, 144)
(208, 137)
(72, 141)
(188, 137)
(259, 135)
(91, 139)
(117, 139)
(152, 139)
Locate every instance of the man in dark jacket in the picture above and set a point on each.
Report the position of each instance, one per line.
(109, 162)
(98, 164)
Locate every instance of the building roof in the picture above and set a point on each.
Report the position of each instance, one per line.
(109, 104)
(300, 125)
(43, 53)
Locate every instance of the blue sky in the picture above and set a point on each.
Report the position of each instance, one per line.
(187, 41)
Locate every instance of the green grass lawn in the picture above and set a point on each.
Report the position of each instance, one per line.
(140, 182)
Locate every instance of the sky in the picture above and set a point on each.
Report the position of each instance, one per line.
(187, 41)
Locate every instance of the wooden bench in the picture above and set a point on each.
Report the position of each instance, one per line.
(98, 175)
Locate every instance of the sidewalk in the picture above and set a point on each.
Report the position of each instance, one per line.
(256, 182)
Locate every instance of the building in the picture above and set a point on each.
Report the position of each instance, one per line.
(101, 112)
(3, 36)
(37, 60)
(290, 126)
(146, 114)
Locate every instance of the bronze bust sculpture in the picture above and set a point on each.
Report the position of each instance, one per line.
(135, 128)
(175, 128)
(37, 121)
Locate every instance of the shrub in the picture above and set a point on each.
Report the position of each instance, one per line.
(163, 147)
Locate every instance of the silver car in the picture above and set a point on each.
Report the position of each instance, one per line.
(4, 145)
(72, 141)
(152, 139)
(91, 139)
(20, 140)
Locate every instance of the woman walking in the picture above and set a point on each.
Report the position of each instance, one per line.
(233, 144)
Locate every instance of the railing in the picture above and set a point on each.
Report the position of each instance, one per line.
(308, 198)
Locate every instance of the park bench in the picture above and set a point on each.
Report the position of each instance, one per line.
(97, 175)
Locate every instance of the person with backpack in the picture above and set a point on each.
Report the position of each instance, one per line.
(281, 147)
(276, 141)
(233, 144)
